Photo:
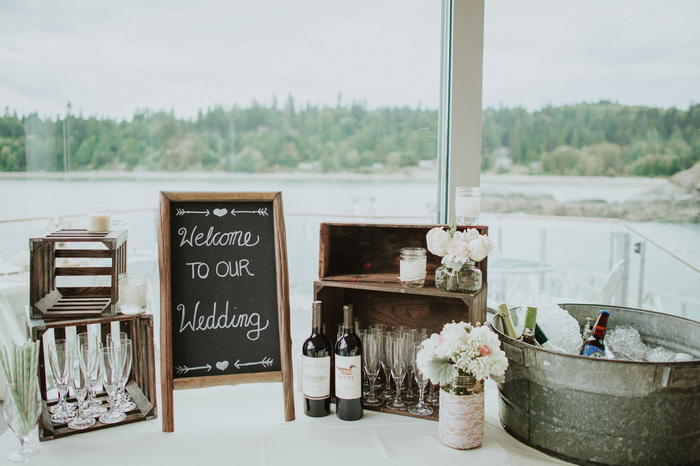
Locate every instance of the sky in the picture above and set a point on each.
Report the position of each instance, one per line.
(111, 58)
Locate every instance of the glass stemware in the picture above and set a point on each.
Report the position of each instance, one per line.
(61, 361)
(385, 359)
(22, 408)
(420, 408)
(124, 353)
(80, 382)
(371, 365)
(398, 369)
(377, 330)
(362, 333)
(89, 358)
(109, 367)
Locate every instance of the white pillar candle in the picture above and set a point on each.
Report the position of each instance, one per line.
(98, 220)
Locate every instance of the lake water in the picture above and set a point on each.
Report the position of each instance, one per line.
(576, 248)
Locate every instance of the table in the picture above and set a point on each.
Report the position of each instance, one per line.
(244, 425)
(514, 278)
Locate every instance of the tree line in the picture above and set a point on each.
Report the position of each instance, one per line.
(602, 139)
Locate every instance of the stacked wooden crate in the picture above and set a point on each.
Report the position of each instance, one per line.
(359, 265)
(62, 307)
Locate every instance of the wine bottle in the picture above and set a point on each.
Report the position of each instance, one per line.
(348, 371)
(594, 346)
(528, 335)
(508, 327)
(543, 340)
(316, 380)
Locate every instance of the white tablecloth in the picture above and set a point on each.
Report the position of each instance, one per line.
(244, 425)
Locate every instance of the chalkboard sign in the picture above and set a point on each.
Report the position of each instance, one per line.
(224, 293)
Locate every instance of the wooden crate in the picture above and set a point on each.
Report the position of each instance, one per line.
(370, 252)
(359, 265)
(142, 381)
(56, 255)
(392, 305)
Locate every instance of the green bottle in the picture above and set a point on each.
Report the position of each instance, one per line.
(528, 335)
(506, 321)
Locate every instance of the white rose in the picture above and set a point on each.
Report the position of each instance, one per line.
(471, 234)
(437, 240)
(480, 247)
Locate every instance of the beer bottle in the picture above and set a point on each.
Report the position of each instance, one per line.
(594, 345)
(528, 335)
(587, 329)
(507, 322)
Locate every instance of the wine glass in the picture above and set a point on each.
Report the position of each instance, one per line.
(22, 408)
(372, 363)
(385, 358)
(398, 369)
(80, 381)
(124, 354)
(89, 358)
(61, 361)
(109, 367)
(420, 408)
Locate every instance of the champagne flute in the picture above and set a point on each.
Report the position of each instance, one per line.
(385, 348)
(89, 358)
(398, 369)
(371, 364)
(80, 382)
(109, 367)
(61, 361)
(362, 333)
(124, 353)
(378, 329)
(420, 408)
(22, 408)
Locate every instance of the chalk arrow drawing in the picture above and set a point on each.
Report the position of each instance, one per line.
(262, 212)
(184, 369)
(266, 362)
(183, 212)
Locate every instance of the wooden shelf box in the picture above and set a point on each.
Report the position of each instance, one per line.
(86, 258)
(359, 265)
(370, 252)
(142, 381)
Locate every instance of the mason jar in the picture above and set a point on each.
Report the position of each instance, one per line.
(413, 267)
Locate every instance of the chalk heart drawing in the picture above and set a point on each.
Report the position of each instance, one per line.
(222, 365)
(220, 213)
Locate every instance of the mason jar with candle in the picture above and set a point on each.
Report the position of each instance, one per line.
(467, 205)
(413, 267)
(99, 219)
(132, 293)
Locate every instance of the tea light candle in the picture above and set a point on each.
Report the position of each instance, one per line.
(132, 293)
(467, 205)
(98, 220)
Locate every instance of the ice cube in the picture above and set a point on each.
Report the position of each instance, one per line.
(626, 343)
(661, 354)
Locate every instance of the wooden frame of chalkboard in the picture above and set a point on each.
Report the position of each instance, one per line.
(220, 255)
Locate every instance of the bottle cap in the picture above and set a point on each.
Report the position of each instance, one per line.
(604, 312)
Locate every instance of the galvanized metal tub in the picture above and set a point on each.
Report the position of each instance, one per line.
(600, 412)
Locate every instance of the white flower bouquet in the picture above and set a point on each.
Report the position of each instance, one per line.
(462, 350)
(458, 247)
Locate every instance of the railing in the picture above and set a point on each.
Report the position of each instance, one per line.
(574, 277)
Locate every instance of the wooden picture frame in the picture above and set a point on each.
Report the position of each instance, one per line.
(175, 207)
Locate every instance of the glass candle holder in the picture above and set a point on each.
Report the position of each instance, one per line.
(413, 267)
(132, 293)
(467, 205)
(98, 220)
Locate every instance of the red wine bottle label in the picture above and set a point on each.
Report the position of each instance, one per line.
(592, 351)
(316, 381)
(348, 377)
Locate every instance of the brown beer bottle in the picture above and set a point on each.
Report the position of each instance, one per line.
(594, 346)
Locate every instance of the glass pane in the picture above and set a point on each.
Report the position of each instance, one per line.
(332, 103)
(591, 110)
